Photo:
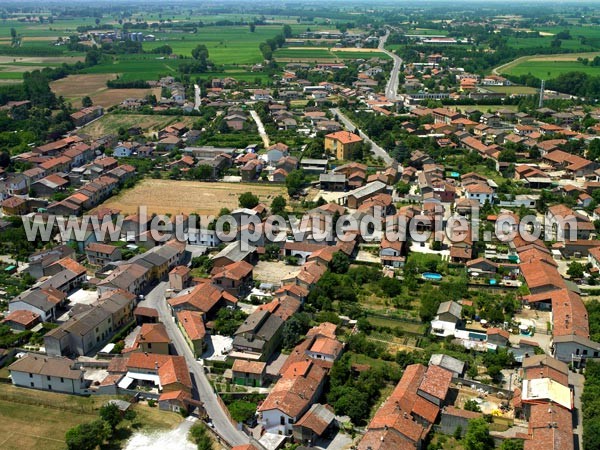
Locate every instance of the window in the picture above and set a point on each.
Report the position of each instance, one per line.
(48, 377)
(62, 380)
(30, 375)
(282, 420)
(31, 384)
(49, 387)
(291, 420)
(149, 345)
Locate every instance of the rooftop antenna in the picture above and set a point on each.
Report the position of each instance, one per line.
(542, 94)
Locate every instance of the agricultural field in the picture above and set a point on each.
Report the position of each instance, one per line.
(74, 87)
(550, 66)
(202, 198)
(13, 67)
(226, 45)
(325, 54)
(546, 41)
(509, 90)
(110, 123)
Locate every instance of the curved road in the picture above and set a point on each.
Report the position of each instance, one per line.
(156, 299)
(391, 89)
(376, 149)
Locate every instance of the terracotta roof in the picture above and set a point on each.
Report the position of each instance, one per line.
(254, 367)
(498, 331)
(193, 324)
(235, 271)
(344, 137)
(436, 382)
(153, 332)
(22, 317)
(546, 437)
(101, 248)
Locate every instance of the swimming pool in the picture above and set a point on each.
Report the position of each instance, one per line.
(454, 174)
(431, 276)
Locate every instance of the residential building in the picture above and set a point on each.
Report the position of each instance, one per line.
(342, 144)
(48, 373)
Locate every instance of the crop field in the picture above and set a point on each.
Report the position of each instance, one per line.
(324, 54)
(75, 87)
(550, 66)
(545, 41)
(226, 45)
(110, 123)
(13, 67)
(202, 198)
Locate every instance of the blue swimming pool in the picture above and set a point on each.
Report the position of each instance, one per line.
(454, 174)
(431, 276)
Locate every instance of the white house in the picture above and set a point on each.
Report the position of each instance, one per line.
(48, 373)
(482, 192)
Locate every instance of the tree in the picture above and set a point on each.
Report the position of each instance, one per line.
(287, 31)
(278, 205)
(293, 329)
(248, 200)
(294, 181)
(86, 102)
(200, 437)
(340, 263)
(472, 405)
(88, 436)
(200, 52)
(576, 270)
(4, 159)
(242, 410)
(252, 27)
(111, 414)
(512, 444)
(478, 436)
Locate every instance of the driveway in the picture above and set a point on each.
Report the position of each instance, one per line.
(204, 391)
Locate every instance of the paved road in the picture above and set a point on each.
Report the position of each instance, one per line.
(197, 101)
(391, 89)
(377, 150)
(261, 128)
(156, 299)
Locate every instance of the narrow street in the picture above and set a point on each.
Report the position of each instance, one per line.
(377, 150)
(261, 128)
(197, 101)
(156, 299)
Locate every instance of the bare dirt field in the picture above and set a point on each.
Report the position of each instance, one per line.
(75, 87)
(174, 197)
(273, 271)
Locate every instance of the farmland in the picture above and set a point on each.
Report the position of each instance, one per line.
(74, 87)
(110, 123)
(550, 66)
(173, 197)
(324, 54)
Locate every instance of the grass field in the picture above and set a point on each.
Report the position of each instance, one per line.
(550, 66)
(169, 196)
(75, 87)
(512, 89)
(40, 419)
(110, 123)
(323, 54)
(13, 67)
(226, 45)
